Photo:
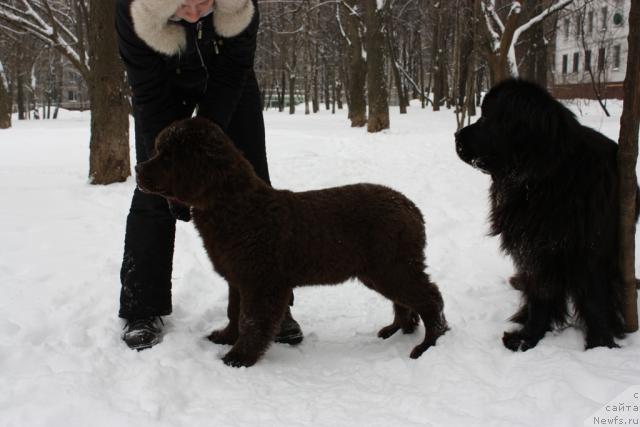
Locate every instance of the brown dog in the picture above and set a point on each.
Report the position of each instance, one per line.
(265, 242)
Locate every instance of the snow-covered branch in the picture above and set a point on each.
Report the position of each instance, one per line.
(344, 34)
(504, 35)
(39, 19)
(530, 23)
(495, 37)
(542, 15)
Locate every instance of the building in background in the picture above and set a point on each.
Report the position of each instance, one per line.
(74, 93)
(591, 50)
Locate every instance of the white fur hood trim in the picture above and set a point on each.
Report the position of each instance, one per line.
(151, 22)
(231, 17)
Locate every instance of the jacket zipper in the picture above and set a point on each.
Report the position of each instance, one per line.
(199, 37)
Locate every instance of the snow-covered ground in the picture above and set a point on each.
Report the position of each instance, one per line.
(62, 362)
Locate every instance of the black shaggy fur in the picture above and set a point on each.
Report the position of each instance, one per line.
(554, 204)
(265, 242)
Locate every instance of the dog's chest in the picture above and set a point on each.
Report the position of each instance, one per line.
(228, 240)
(531, 222)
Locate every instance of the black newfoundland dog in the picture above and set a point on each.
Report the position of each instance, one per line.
(554, 203)
(265, 242)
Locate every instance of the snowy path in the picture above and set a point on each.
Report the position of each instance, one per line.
(62, 362)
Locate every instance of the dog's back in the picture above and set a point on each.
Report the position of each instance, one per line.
(338, 233)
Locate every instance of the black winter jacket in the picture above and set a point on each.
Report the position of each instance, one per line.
(174, 66)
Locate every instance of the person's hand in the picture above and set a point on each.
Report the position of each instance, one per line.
(179, 211)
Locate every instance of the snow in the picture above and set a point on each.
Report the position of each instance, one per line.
(62, 362)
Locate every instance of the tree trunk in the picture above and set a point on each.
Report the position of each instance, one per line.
(22, 110)
(436, 58)
(292, 92)
(315, 96)
(5, 100)
(109, 146)
(627, 158)
(423, 98)
(282, 92)
(391, 43)
(338, 94)
(376, 81)
(5, 105)
(327, 86)
(357, 72)
(307, 62)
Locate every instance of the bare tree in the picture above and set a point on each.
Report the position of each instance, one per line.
(587, 37)
(376, 80)
(438, 53)
(396, 66)
(5, 99)
(505, 35)
(109, 147)
(357, 64)
(465, 61)
(627, 159)
(65, 25)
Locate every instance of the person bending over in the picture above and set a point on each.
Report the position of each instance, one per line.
(182, 56)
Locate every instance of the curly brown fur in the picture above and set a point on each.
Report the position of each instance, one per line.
(265, 242)
(554, 204)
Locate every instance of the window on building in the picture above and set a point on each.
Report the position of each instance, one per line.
(576, 59)
(71, 96)
(605, 17)
(579, 25)
(616, 57)
(590, 22)
(565, 60)
(587, 60)
(567, 28)
(618, 15)
(601, 58)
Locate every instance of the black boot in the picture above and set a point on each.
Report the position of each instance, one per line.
(290, 332)
(143, 333)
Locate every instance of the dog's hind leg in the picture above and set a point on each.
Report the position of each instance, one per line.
(596, 305)
(261, 311)
(414, 293)
(404, 318)
(229, 334)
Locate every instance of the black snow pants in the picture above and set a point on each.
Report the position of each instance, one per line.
(150, 232)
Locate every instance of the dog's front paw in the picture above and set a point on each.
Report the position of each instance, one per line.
(226, 335)
(419, 349)
(600, 341)
(518, 341)
(238, 360)
(387, 331)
